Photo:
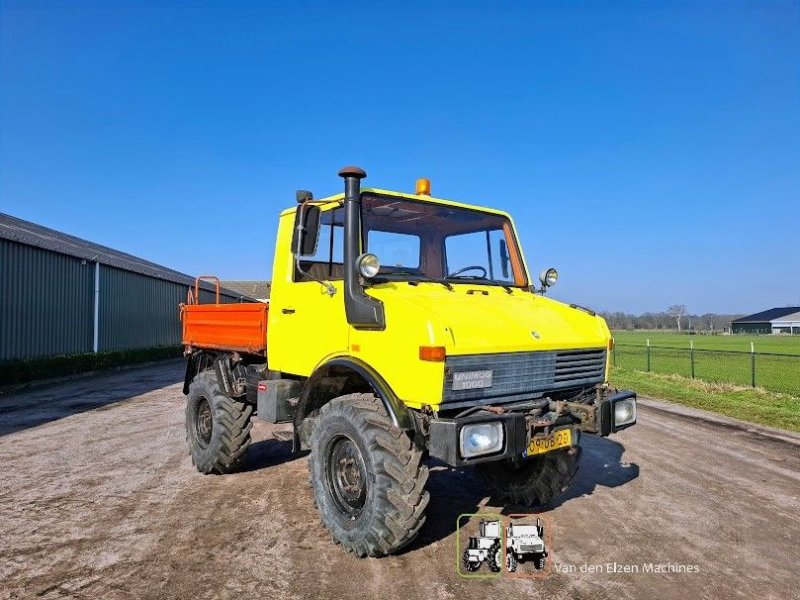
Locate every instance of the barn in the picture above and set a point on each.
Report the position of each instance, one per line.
(774, 320)
(258, 289)
(62, 295)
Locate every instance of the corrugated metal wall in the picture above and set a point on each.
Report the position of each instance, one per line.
(137, 311)
(47, 305)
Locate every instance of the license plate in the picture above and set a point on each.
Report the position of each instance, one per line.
(545, 443)
(472, 380)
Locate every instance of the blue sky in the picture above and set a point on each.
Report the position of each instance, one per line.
(649, 150)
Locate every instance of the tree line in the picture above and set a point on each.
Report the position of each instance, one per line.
(676, 317)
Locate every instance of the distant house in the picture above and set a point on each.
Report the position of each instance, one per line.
(774, 320)
(249, 289)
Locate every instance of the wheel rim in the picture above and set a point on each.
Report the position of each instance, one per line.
(203, 422)
(347, 476)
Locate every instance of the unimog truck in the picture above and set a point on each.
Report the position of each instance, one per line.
(401, 326)
(525, 543)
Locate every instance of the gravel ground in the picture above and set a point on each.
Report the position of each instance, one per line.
(98, 499)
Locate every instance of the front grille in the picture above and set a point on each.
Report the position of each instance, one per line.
(530, 548)
(522, 375)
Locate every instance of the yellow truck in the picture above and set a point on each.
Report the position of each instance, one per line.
(401, 326)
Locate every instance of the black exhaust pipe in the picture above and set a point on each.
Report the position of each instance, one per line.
(363, 311)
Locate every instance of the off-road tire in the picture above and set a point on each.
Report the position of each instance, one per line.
(511, 562)
(539, 561)
(470, 566)
(536, 481)
(217, 427)
(394, 497)
(495, 558)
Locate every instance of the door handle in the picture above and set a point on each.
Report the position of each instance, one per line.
(287, 311)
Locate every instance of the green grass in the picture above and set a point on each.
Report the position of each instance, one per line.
(755, 405)
(780, 344)
(722, 359)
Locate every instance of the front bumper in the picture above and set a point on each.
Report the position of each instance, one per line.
(596, 418)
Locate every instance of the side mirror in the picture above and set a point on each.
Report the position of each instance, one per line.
(306, 230)
(504, 258)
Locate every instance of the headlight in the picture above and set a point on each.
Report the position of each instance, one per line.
(624, 413)
(481, 438)
(548, 277)
(368, 265)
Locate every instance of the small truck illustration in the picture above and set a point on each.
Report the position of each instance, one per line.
(525, 543)
(484, 548)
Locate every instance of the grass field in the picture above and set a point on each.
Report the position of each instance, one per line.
(779, 344)
(721, 359)
(717, 376)
(754, 405)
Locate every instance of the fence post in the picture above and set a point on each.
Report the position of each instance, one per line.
(614, 354)
(691, 355)
(753, 364)
(648, 355)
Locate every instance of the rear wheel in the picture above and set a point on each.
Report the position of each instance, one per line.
(217, 427)
(495, 557)
(535, 481)
(367, 477)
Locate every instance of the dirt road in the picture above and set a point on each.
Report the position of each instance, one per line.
(98, 499)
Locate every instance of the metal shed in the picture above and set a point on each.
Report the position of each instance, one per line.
(61, 295)
(775, 320)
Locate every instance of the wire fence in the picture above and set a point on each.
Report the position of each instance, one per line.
(771, 371)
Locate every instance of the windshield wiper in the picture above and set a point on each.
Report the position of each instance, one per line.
(412, 277)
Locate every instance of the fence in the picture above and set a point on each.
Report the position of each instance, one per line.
(771, 371)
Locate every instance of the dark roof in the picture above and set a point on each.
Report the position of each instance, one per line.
(768, 315)
(31, 234)
(253, 289)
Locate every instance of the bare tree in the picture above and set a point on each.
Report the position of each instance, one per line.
(677, 311)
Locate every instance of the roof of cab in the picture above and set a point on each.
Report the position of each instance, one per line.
(442, 201)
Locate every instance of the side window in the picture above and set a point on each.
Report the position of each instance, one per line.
(485, 250)
(327, 262)
(395, 250)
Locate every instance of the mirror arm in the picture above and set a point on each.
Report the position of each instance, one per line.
(329, 287)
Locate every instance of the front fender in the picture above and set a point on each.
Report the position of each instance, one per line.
(343, 365)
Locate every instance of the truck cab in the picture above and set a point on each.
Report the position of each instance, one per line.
(402, 326)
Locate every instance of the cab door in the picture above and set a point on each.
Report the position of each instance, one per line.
(307, 323)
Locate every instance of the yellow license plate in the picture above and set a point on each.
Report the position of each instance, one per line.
(558, 439)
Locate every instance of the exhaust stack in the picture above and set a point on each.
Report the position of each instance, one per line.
(363, 311)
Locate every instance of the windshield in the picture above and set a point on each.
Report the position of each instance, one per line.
(422, 240)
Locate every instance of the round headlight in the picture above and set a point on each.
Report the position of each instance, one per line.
(548, 277)
(368, 265)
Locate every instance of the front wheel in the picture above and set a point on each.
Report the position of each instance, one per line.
(535, 481)
(468, 564)
(511, 561)
(367, 477)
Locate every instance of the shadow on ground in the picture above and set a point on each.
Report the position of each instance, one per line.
(601, 465)
(31, 408)
(462, 491)
(269, 453)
